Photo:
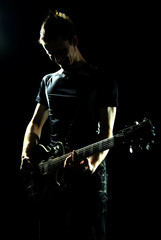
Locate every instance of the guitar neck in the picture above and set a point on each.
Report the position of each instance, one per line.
(95, 148)
(125, 136)
(86, 151)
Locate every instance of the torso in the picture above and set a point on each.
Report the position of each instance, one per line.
(71, 97)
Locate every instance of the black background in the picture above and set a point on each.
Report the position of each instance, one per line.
(122, 38)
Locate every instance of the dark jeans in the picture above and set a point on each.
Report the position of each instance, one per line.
(78, 211)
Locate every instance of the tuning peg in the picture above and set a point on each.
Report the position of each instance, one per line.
(131, 149)
(147, 147)
(136, 123)
(153, 132)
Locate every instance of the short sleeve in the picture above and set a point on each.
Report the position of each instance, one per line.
(41, 96)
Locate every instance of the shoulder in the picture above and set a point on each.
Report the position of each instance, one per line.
(51, 77)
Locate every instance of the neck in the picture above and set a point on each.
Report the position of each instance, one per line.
(77, 63)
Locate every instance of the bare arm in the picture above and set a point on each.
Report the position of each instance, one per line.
(33, 131)
(107, 119)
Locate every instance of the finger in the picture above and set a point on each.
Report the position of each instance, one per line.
(68, 161)
(84, 162)
(74, 155)
(85, 166)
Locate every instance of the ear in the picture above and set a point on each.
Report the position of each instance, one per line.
(75, 41)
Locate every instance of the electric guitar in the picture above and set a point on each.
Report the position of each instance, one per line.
(49, 162)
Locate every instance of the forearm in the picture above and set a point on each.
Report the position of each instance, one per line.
(31, 138)
(106, 131)
(97, 159)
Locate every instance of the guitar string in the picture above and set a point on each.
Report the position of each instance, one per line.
(85, 151)
(82, 151)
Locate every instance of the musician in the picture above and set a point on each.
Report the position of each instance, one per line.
(80, 102)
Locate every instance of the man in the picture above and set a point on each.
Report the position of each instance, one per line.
(81, 111)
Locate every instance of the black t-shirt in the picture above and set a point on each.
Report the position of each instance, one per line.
(73, 99)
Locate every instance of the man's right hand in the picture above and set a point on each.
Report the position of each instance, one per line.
(26, 164)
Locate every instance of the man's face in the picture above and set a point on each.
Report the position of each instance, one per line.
(61, 51)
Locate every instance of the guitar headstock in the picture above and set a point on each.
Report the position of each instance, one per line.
(139, 136)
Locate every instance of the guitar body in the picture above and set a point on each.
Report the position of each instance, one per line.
(44, 179)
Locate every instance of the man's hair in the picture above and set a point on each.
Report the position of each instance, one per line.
(56, 25)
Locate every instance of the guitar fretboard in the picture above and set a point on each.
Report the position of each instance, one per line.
(81, 153)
